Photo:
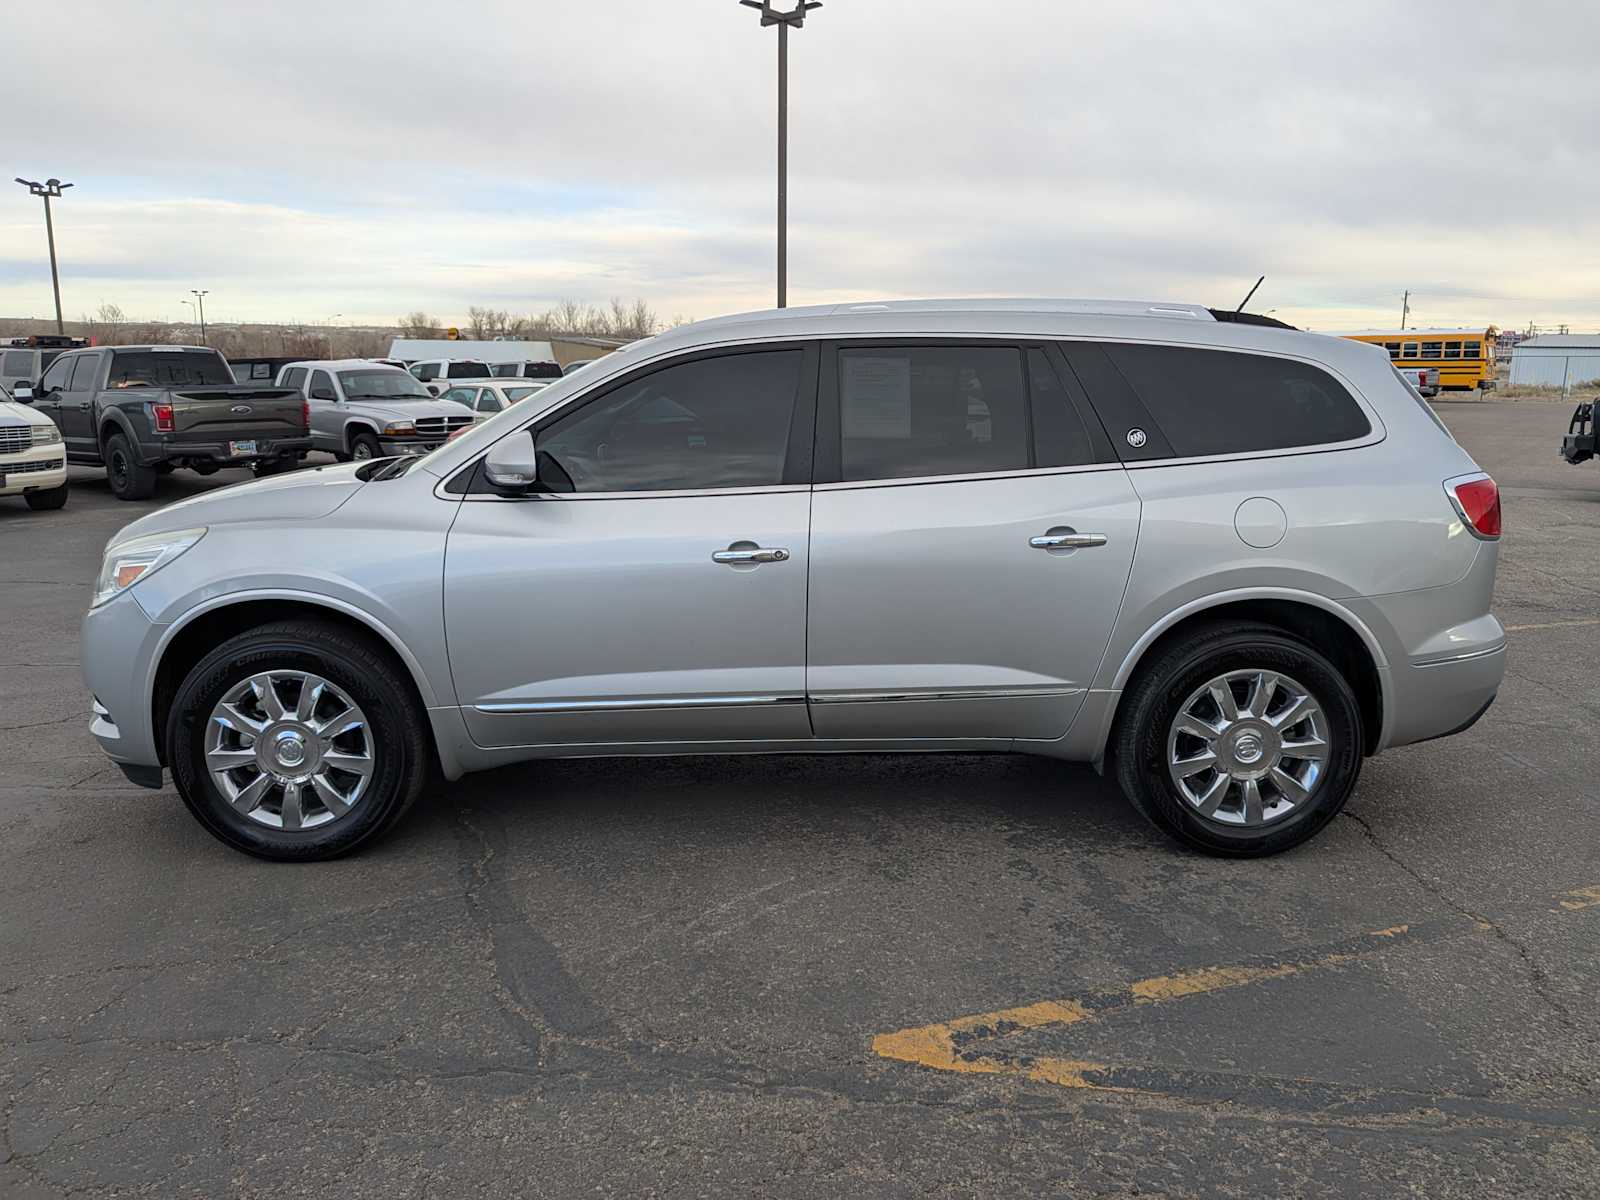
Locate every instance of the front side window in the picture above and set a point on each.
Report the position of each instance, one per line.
(321, 386)
(381, 383)
(711, 423)
(163, 368)
(56, 377)
(1222, 402)
(911, 412)
(488, 401)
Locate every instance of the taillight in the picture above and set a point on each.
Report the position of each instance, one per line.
(1477, 499)
(163, 415)
(305, 413)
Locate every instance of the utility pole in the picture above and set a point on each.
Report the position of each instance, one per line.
(1405, 310)
(200, 294)
(48, 190)
(783, 20)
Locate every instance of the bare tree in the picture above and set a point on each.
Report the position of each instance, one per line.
(419, 324)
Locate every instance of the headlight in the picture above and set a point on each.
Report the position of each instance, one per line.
(46, 435)
(128, 562)
(397, 427)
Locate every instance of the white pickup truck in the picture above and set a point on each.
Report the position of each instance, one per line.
(1424, 379)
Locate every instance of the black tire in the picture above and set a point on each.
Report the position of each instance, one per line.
(356, 663)
(55, 497)
(205, 468)
(165, 468)
(1158, 693)
(364, 446)
(129, 479)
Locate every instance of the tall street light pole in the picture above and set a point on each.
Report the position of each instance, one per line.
(783, 20)
(50, 189)
(200, 294)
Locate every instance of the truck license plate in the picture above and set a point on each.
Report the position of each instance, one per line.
(238, 448)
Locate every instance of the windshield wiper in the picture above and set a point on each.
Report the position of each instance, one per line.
(387, 396)
(396, 468)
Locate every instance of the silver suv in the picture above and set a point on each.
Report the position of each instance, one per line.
(1224, 559)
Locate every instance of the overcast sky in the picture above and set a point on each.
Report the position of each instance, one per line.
(309, 159)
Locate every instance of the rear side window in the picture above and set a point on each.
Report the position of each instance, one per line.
(906, 413)
(83, 373)
(1221, 402)
(294, 377)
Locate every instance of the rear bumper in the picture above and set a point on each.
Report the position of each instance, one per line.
(1444, 697)
(220, 452)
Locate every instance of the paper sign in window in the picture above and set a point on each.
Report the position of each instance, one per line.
(877, 397)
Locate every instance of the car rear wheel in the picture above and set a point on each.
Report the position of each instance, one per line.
(48, 498)
(1239, 740)
(364, 446)
(297, 741)
(129, 479)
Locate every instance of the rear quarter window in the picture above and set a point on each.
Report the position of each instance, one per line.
(1223, 402)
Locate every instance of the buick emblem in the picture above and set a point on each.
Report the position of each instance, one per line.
(241, 409)
(1136, 438)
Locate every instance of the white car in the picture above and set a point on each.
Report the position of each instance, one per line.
(33, 460)
(485, 397)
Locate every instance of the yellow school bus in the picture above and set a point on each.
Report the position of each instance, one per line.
(1465, 357)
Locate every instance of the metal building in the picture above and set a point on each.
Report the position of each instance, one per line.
(1563, 360)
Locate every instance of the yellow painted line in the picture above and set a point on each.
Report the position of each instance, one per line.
(1553, 625)
(956, 1045)
(1578, 898)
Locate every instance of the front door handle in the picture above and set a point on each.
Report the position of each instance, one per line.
(1066, 540)
(745, 552)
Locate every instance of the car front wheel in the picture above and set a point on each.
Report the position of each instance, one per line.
(297, 741)
(47, 498)
(1239, 740)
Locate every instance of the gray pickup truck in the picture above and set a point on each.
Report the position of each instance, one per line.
(362, 409)
(142, 411)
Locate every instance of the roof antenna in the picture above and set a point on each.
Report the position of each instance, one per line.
(1248, 294)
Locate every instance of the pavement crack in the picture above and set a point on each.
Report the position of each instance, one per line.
(1538, 978)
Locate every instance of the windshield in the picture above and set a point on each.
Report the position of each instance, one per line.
(383, 383)
(163, 368)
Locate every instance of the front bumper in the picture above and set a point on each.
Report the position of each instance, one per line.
(119, 642)
(221, 453)
(33, 469)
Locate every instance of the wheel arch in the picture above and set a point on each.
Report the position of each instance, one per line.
(114, 420)
(353, 428)
(193, 636)
(1332, 629)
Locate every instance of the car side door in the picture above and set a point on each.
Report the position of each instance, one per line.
(47, 398)
(971, 537)
(652, 589)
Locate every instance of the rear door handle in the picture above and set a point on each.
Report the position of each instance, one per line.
(1069, 540)
(754, 554)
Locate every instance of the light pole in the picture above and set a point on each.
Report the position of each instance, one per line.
(48, 190)
(200, 294)
(783, 20)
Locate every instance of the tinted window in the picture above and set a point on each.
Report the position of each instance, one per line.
(1431, 349)
(18, 363)
(517, 393)
(488, 401)
(1410, 350)
(461, 395)
(1472, 349)
(84, 371)
(1217, 402)
(468, 369)
(320, 382)
(1059, 438)
(294, 377)
(426, 371)
(160, 368)
(56, 376)
(713, 423)
(912, 412)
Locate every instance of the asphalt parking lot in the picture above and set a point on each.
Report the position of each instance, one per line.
(840, 976)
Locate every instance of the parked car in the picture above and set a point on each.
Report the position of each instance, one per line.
(362, 410)
(526, 368)
(23, 359)
(485, 397)
(141, 411)
(33, 460)
(1424, 379)
(1223, 561)
(438, 374)
(578, 365)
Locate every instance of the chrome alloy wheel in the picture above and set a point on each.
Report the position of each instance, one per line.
(289, 750)
(1248, 748)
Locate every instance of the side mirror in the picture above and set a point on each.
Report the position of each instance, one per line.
(22, 393)
(433, 390)
(512, 466)
(323, 393)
